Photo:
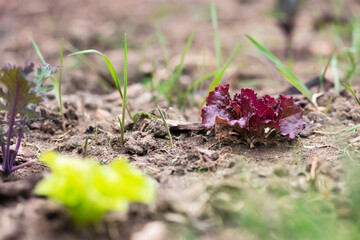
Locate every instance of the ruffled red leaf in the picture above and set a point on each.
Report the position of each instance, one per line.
(248, 113)
(218, 104)
(290, 117)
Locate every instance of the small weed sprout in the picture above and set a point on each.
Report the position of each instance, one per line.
(56, 82)
(219, 74)
(125, 93)
(217, 44)
(117, 83)
(358, 101)
(166, 126)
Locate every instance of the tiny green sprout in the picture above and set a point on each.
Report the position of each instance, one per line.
(95, 133)
(358, 101)
(220, 73)
(56, 82)
(353, 93)
(169, 89)
(143, 113)
(201, 168)
(214, 20)
(166, 126)
(328, 104)
(175, 159)
(123, 93)
(85, 146)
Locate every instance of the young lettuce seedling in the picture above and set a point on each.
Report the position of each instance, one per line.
(89, 190)
(250, 116)
(19, 97)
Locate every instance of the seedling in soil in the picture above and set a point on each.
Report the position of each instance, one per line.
(170, 87)
(89, 190)
(249, 116)
(143, 113)
(19, 97)
(214, 20)
(358, 101)
(56, 82)
(95, 133)
(113, 73)
(352, 54)
(125, 94)
(166, 126)
(117, 83)
(333, 60)
(220, 73)
(353, 93)
(162, 41)
(85, 146)
(287, 73)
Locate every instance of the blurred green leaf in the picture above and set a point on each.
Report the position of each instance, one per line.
(89, 189)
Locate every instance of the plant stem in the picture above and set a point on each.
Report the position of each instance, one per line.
(18, 142)
(59, 82)
(124, 92)
(166, 126)
(6, 154)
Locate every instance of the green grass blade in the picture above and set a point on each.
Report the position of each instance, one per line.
(58, 89)
(214, 20)
(221, 72)
(166, 126)
(194, 85)
(284, 70)
(110, 66)
(199, 81)
(351, 70)
(111, 69)
(322, 76)
(295, 84)
(162, 41)
(37, 50)
(125, 91)
(121, 125)
(55, 82)
(334, 67)
(179, 69)
(353, 128)
(143, 113)
(328, 105)
(352, 92)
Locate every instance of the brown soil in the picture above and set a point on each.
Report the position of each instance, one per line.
(198, 159)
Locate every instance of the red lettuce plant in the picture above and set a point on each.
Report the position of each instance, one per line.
(250, 116)
(19, 97)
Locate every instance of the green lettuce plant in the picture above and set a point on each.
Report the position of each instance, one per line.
(88, 190)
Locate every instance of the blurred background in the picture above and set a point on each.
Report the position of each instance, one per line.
(155, 25)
